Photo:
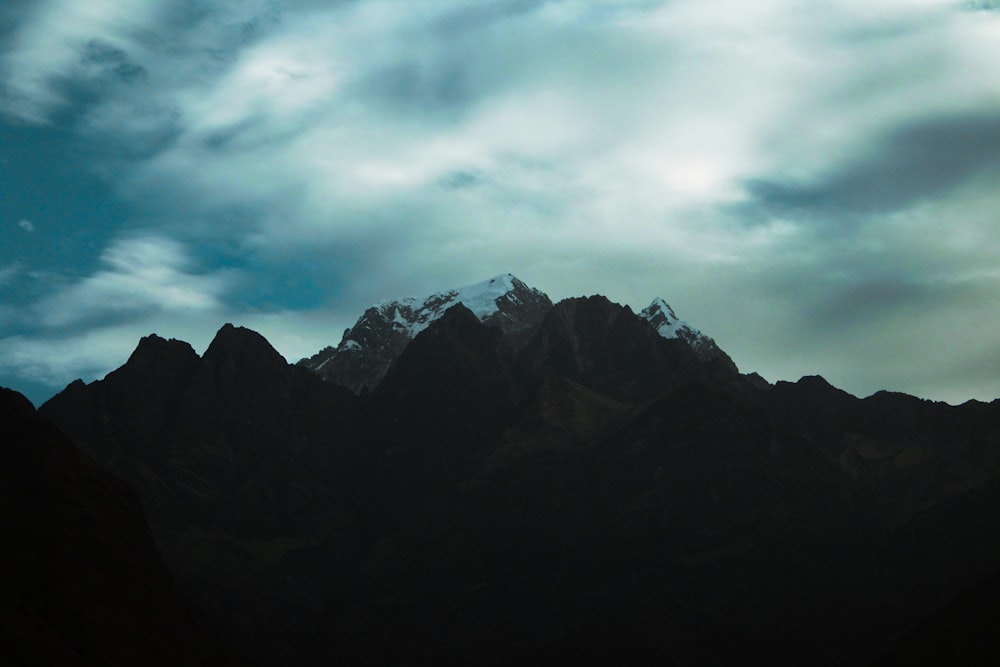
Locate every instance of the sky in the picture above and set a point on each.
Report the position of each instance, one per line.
(814, 185)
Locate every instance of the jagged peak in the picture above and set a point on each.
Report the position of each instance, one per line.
(242, 341)
(155, 344)
(411, 315)
(663, 318)
(155, 351)
(659, 305)
(15, 403)
(593, 299)
(380, 334)
(479, 297)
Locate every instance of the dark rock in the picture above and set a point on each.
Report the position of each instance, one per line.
(80, 580)
(607, 348)
(241, 461)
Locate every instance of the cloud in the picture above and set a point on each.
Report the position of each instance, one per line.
(26, 225)
(47, 45)
(914, 163)
(140, 277)
(781, 176)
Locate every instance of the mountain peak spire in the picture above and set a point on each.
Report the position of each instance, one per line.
(662, 317)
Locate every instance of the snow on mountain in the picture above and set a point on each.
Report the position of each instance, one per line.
(369, 347)
(661, 317)
(412, 314)
(376, 340)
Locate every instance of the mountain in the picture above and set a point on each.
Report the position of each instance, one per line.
(963, 632)
(81, 582)
(579, 487)
(368, 348)
(246, 466)
(609, 349)
(662, 318)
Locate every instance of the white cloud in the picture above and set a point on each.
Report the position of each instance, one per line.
(26, 225)
(49, 46)
(140, 276)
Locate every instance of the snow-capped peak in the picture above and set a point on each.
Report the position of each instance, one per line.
(380, 334)
(411, 315)
(662, 318)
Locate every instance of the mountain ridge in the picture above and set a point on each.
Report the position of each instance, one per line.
(586, 488)
(366, 350)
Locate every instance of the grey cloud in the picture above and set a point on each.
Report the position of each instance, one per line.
(12, 14)
(232, 25)
(461, 179)
(413, 86)
(111, 62)
(472, 17)
(982, 5)
(864, 299)
(915, 163)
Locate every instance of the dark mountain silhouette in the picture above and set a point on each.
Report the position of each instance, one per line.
(962, 632)
(583, 488)
(609, 349)
(81, 582)
(245, 465)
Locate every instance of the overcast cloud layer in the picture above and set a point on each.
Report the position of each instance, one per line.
(814, 185)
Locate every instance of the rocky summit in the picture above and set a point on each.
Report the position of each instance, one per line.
(525, 482)
(662, 318)
(368, 348)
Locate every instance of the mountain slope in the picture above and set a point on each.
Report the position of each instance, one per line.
(662, 318)
(80, 581)
(245, 466)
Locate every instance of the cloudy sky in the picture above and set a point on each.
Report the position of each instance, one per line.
(815, 185)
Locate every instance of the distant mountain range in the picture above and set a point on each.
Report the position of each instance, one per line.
(483, 476)
(366, 350)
